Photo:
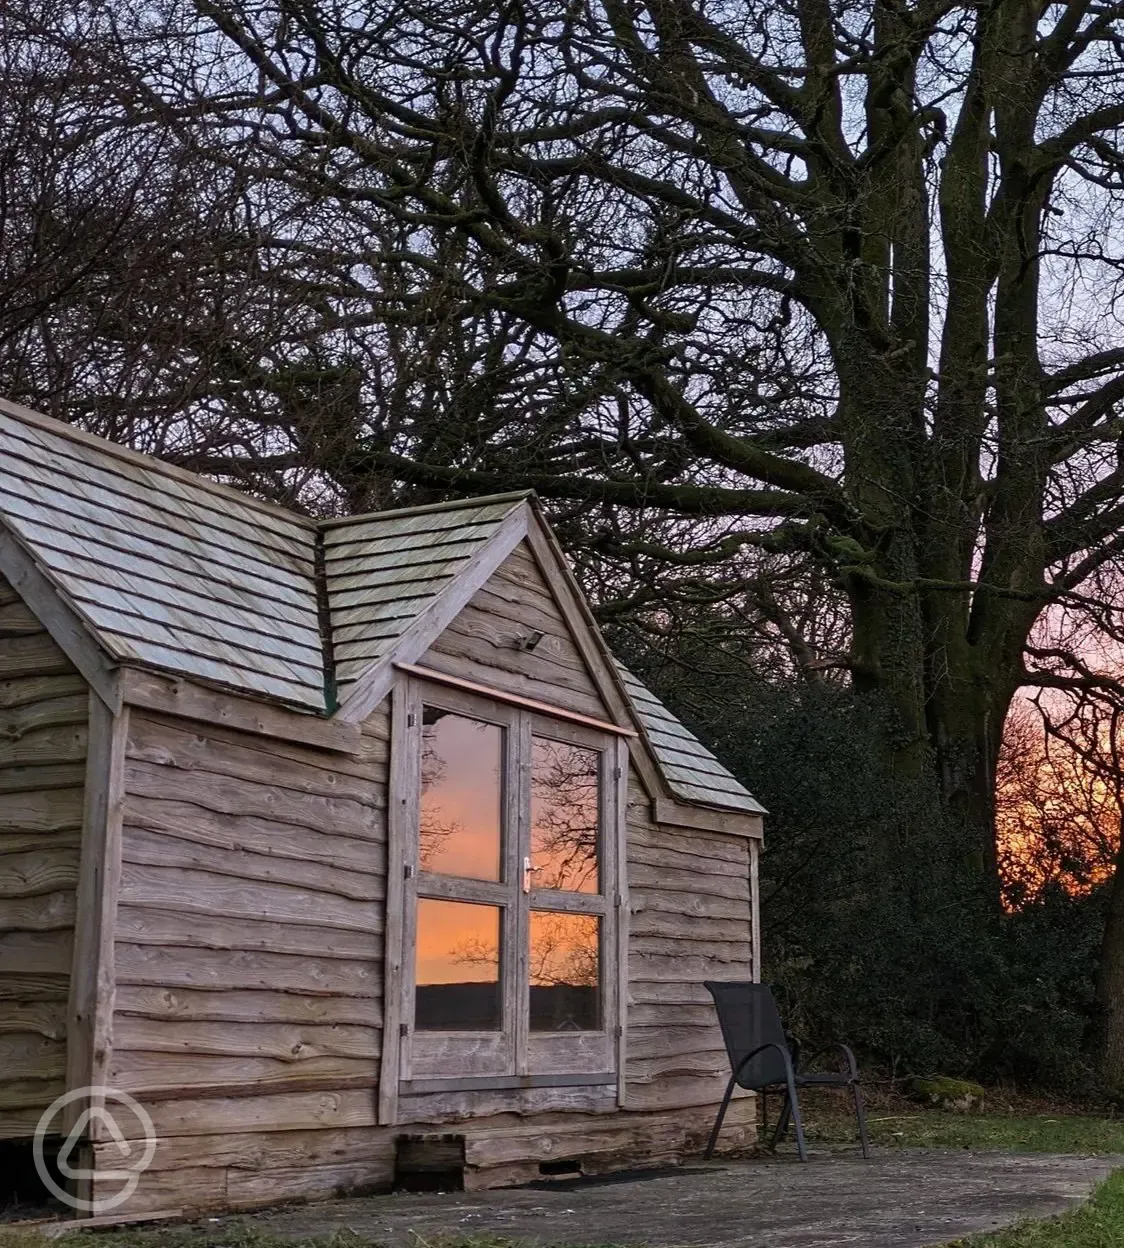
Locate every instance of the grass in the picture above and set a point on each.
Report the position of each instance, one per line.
(1098, 1224)
(1005, 1133)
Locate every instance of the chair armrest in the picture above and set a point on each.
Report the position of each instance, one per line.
(852, 1065)
(789, 1066)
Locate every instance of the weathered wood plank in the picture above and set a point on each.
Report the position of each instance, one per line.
(439, 1107)
(210, 894)
(272, 1112)
(226, 795)
(193, 702)
(688, 904)
(247, 1006)
(288, 1043)
(170, 925)
(199, 826)
(17, 619)
(667, 879)
(18, 988)
(37, 953)
(31, 1056)
(54, 745)
(228, 750)
(165, 966)
(47, 777)
(36, 873)
(40, 811)
(46, 912)
(153, 1074)
(643, 832)
(157, 849)
(44, 1018)
(263, 1152)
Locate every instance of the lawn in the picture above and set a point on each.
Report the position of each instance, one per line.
(998, 1132)
(1099, 1224)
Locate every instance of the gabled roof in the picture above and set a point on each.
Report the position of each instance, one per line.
(170, 571)
(383, 570)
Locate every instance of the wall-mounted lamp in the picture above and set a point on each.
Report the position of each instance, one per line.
(528, 641)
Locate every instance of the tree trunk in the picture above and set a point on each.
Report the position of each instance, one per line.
(1109, 1037)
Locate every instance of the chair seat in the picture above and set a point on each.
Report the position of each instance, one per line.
(828, 1079)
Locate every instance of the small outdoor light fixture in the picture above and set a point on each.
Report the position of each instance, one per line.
(528, 641)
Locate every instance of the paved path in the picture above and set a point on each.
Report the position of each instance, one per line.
(899, 1199)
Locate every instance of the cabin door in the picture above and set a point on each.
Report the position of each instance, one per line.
(510, 926)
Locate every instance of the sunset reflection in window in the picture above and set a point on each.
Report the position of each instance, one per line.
(565, 971)
(565, 814)
(461, 795)
(457, 967)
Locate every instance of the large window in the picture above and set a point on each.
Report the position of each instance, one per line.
(510, 930)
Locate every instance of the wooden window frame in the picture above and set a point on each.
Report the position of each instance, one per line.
(535, 1059)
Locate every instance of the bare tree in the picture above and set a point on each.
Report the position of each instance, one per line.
(833, 281)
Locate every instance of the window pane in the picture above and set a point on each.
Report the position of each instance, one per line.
(462, 787)
(565, 971)
(458, 967)
(565, 812)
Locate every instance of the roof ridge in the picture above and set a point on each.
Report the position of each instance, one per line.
(483, 500)
(152, 463)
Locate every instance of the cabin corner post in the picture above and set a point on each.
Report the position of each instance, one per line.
(93, 976)
(400, 803)
(755, 908)
(623, 912)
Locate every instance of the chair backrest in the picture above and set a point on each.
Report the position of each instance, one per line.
(749, 1018)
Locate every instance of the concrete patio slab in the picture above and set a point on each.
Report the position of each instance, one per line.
(899, 1199)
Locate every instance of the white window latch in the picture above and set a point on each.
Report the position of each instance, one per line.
(526, 875)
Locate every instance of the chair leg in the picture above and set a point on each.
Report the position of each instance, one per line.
(764, 1114)
(718, 1121)
(797, 1120)
(860, 1114)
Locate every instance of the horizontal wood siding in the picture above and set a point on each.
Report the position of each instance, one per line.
(250, 921)
(480, 644)
(689, 894)
(43, 720)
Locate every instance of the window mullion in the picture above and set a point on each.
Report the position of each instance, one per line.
(520, 987)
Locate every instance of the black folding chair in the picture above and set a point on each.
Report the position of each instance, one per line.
(763, 1057)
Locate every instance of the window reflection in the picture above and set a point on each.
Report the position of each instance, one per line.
(457, 967)
(461, 794)
(565, 972)
(565, 806)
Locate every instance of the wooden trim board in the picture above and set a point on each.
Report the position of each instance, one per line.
(93, 975)
(66, 627)
(678, 814)
(513, 699)
(400, 801)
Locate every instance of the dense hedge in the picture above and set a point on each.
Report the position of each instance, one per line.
(873, 932)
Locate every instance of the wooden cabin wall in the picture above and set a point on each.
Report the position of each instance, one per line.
(479, 645)
(249, 960)
(43, 720)
(689, 895)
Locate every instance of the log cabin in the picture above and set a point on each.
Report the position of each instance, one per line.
(344, 846)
